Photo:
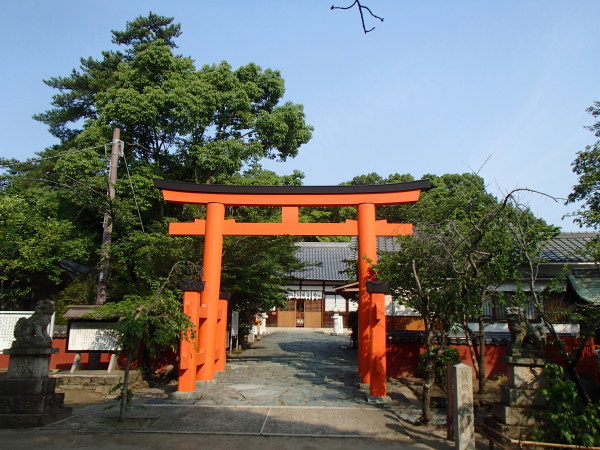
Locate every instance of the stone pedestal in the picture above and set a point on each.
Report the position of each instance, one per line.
(27, 395)
(519, 398)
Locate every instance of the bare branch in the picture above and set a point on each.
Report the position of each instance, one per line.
(360, 10)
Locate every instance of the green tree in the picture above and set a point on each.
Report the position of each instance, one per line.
(418, 278)
(149, 325)
(449, 268)
(253, 270)
(566, 420)
(530, 237)
(35, 241)
(587, 190)
(207, 125)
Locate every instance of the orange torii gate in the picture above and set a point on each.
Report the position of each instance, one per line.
(208, 312)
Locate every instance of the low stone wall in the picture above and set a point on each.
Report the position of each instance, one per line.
(102, 383)
(63, 360)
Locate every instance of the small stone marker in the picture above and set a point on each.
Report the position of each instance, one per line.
(464, 419)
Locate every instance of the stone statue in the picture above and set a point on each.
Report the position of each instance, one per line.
(527, 340)
(32, 332)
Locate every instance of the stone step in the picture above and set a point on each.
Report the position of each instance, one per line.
(34, 404)
(27, 386)
(95, 380)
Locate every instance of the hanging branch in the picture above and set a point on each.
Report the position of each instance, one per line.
(360, 10)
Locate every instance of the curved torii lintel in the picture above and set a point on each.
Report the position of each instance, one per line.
(235, 195)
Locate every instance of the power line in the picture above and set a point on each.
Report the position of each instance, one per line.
(133, 191)
(51, 157)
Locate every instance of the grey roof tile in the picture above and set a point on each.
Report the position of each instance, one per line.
(567, 247)
(329, 256)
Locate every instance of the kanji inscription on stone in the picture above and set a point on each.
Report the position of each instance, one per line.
(464, 419)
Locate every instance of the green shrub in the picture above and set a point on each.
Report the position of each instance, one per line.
(566, 420)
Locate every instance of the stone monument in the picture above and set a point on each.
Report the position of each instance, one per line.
(464, 417)
(27, 394)
(520, 398)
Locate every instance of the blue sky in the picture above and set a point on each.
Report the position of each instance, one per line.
(439, 87)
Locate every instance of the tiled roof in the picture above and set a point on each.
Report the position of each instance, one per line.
(566, 247)
(329, 256)
(387, 244)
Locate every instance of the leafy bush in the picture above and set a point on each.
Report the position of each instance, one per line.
(448, 354)
(566, 420)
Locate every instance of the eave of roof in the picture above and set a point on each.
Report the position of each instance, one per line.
(586, 286)
(568, 248)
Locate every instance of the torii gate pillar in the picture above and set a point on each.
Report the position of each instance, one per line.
(371, 307)
(211, 270)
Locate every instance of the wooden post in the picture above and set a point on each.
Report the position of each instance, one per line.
(220, 350)
(107, 227)
(115, 152)
(450, 392)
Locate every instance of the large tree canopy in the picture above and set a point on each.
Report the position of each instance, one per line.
(197, 125)
(587, 167)
(587, 190)
(461, 250)
(208, 124)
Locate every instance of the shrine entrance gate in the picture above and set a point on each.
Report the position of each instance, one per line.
(209, 313)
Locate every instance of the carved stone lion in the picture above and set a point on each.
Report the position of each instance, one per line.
(32, 331)
(527, 340)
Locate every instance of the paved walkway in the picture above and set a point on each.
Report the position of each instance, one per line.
(290, 369)
(289, 390)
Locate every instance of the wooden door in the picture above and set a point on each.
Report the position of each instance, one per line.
(313, 313)
(286, 317)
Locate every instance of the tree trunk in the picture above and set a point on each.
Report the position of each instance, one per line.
(426, 417)
(470, 337)
(481, 362)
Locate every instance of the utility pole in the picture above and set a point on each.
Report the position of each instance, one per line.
(115, 151)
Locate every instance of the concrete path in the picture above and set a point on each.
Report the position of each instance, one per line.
(289, 390)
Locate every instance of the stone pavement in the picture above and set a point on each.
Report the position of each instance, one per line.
(289, 390)
(290, 369)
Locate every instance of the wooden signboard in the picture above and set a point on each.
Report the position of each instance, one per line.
(91, 336)
(8, 320)
(235, 321)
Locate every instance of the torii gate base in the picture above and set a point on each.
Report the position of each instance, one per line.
(200, 360)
